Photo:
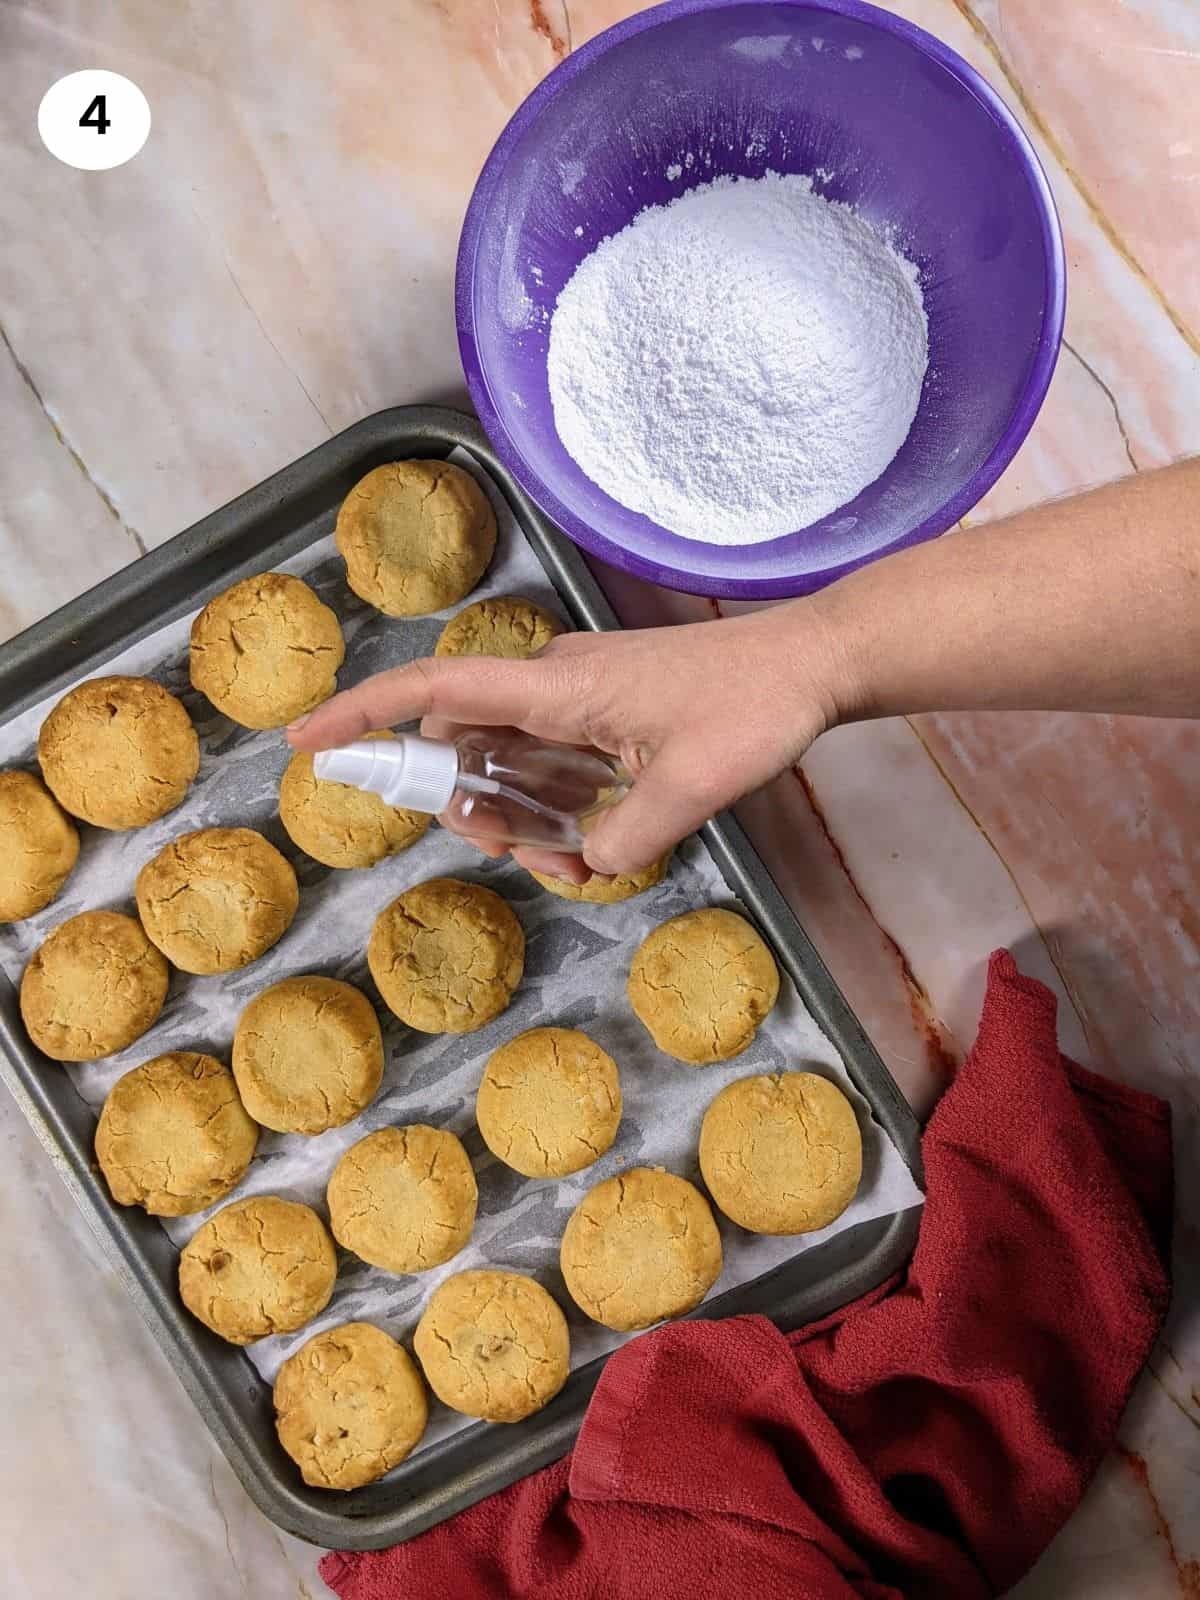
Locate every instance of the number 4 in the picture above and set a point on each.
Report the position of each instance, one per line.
(96, 116)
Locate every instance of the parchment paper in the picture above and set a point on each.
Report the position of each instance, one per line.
(576, 963)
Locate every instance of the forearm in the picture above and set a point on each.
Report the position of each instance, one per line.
(1085, 604)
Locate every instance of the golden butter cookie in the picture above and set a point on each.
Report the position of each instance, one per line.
(403, 1198)
(640, 1247)
(340, 825)
(39, 846)
(549, 1102)
(701, 984)
(781, 1153)
(118, 752)
(93, 986)
(507, 625)
(260, 1266)
(307, 1055)
(217, 899)
(447, 955)
(173, 1136)
(493, 1345)
(416, 536)
(607, 891)
(266, 650)
(349, 1406)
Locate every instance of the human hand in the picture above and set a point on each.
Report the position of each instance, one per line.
(700, 715)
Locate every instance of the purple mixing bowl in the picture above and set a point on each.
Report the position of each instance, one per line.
(880, 114)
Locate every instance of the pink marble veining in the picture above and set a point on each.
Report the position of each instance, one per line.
(1116, 81)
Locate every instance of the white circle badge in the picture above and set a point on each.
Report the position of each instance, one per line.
(94, 120)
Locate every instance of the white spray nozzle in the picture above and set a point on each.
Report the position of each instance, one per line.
(419, 774)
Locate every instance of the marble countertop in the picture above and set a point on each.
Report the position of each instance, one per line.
(276, 264)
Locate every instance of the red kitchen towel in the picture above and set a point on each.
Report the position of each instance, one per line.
(926, 1441)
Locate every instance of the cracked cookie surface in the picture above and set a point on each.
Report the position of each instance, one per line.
(403, 1198)
(701, 984)
(93, 986)
(493, 1345)
(506, 625)
(640, 1247)
(173, 1137)
(260, 1266)
(39, 845)
(266, 650)
(416, 536)
(447, 955)
(118, 752)
(216, 899)
(307, 1055)
(339, 825)
(349, 1406)
(549, 1102)
(606, 892)
(781, 1153)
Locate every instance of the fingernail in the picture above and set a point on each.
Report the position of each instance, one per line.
(294, 727)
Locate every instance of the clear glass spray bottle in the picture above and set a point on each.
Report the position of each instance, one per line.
(493, 784)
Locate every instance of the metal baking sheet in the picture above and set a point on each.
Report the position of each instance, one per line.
(263, 528)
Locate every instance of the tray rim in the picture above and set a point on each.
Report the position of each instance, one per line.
(78, 638)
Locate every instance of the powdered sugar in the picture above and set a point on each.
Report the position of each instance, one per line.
(740, 362)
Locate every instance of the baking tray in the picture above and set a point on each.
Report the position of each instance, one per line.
(259, 530)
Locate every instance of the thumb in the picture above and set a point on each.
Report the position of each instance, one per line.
(669, 800)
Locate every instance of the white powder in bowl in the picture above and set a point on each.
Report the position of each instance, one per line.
(740, 362)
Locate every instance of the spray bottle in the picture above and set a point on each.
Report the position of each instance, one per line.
(493, 784)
